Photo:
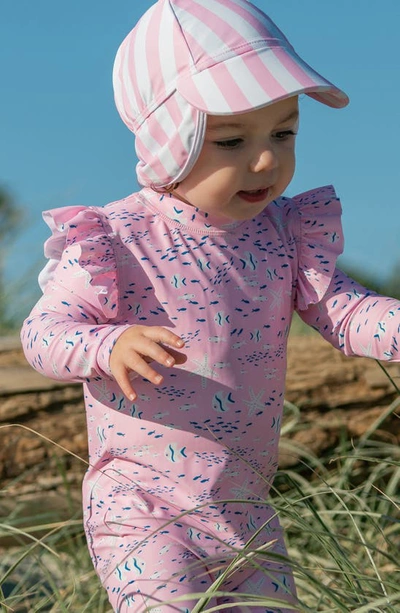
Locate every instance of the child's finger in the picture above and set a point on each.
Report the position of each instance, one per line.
(124, 382)
(179, 357)
(137, 363)
(155, 350)
(164, 336)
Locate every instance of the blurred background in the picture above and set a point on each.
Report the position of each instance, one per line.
(62, 141)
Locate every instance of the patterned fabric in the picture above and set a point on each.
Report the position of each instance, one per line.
(186, 58)
(162, 468)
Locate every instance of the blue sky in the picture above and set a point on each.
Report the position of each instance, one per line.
(62, 141)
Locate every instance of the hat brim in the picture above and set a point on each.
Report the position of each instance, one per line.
(254, 79)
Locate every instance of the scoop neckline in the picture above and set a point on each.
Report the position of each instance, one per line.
(182, 214)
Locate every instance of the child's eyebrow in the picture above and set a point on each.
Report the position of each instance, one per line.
(293, 115)
(225, 125)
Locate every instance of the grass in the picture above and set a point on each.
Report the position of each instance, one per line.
(341, 515)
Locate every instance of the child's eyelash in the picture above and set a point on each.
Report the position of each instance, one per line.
(229, 144)
(233, 143)
(282, 134)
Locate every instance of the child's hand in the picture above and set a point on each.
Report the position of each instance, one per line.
(138, 346)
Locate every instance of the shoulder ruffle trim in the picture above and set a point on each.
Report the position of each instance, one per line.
(320, 243)
(80, 249)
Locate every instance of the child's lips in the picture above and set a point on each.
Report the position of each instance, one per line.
(256, 195)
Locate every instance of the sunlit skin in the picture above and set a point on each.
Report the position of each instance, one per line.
(241, 154)
(247, 161)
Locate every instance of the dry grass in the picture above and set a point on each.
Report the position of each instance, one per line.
(342, 524)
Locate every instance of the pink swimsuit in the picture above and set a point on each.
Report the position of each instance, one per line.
(161, 469)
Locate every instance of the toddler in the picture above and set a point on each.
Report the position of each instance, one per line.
(173, 307)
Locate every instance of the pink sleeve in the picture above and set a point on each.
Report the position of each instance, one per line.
(351, 318)
(70, 333)
(357, 321)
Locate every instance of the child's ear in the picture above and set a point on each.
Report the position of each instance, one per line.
(167, 189)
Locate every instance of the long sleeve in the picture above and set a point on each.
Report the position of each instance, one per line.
(70, 332)
(356, 321)
(353, 319)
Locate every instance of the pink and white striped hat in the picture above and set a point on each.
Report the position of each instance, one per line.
(188, 58)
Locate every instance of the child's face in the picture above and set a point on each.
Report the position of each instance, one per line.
(247, 161)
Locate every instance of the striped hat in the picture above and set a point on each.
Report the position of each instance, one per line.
(188, 58)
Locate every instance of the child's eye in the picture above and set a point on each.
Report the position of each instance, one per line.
(284, 134)
(231, 143)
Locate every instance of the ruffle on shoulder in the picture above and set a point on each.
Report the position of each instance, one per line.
(320, 243)
(81, 257)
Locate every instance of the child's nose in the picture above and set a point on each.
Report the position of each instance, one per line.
(265, 159)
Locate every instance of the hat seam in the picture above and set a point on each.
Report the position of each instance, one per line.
(231, 54)
(181, 31)
(149, 110)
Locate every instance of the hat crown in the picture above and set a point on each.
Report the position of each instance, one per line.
(175, 38)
